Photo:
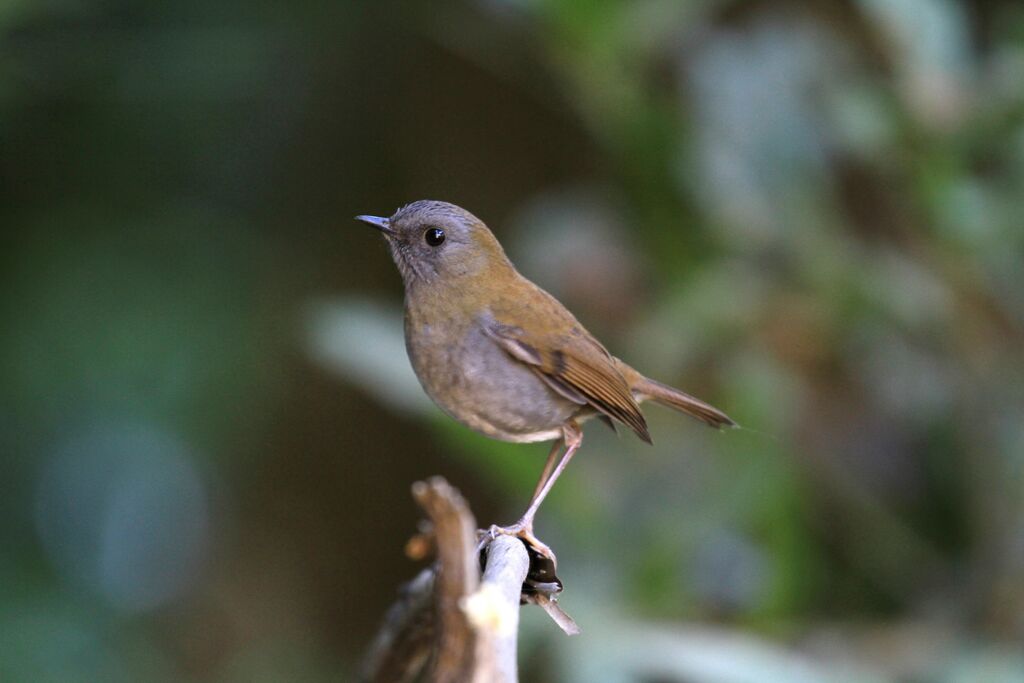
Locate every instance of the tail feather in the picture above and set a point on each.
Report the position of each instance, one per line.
(683, 402)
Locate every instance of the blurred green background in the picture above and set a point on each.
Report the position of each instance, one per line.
(809, 213)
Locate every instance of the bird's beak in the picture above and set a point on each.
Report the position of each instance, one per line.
(382, 224)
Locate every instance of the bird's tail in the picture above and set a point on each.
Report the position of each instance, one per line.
(681, 401)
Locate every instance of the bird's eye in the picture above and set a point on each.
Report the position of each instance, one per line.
(434, 236)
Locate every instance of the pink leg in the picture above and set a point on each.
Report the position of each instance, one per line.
(555, 448)
(572, 438)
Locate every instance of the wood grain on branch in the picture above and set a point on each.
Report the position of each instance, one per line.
(461, 625)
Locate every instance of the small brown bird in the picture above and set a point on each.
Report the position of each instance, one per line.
(502, 356)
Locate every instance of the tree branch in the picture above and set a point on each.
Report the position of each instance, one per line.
(494, 611)
(458, 576)
(462, 626)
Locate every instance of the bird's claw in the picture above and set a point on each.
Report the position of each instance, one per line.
(524, 533)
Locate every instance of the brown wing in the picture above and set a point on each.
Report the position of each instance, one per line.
(575, 366)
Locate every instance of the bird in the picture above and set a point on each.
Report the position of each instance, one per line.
(502, 356)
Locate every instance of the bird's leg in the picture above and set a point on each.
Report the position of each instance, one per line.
(556, 447)
(572, 437)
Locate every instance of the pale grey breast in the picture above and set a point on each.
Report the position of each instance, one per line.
(476, 382)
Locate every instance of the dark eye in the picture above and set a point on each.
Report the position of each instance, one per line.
(434, 236)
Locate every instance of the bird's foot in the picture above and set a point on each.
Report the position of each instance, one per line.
(542, 584)
(524, 532)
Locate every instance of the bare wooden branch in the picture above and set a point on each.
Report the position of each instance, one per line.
(406, 638)
(461, 627)
(458, 575)
(494, 611)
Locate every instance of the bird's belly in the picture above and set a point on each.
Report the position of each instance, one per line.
(481, 386)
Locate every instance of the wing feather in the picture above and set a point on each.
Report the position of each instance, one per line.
(576, 367)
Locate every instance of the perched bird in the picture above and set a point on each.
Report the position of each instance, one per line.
(502, 356)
